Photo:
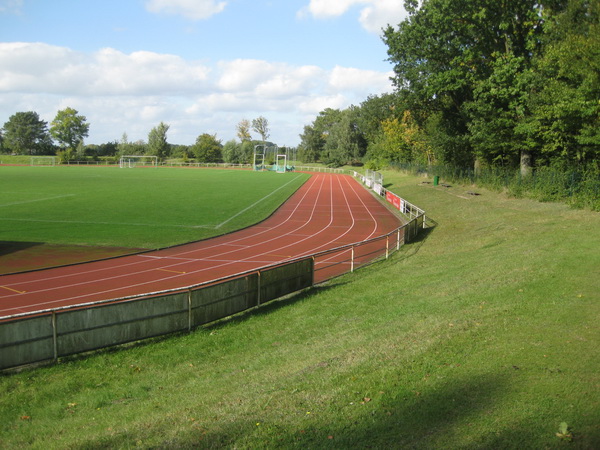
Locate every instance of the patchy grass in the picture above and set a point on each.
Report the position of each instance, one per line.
(483, 334)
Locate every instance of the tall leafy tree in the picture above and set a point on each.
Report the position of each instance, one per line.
(311, 144)
(261, 126)
(157, 141)
(243, 130)
(26, 134)
(69, 128)
(344, 143)
(208, 148)
(232, 152)
(565, 105)
(447, 48)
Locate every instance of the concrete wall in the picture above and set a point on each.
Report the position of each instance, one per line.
(70, 331)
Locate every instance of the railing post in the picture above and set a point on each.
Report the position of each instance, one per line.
(259, 288)
(387, 246)
(54, 336)
(189, 310)
(352, 260)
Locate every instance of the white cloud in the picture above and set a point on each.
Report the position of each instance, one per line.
(375, 15)
(381, 13)
(191, 9)
(120, 92)
(322, 9)
(359, 81)
(27, 67)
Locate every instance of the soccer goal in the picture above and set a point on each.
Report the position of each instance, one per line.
(43, 160)
(131, 161)
(281, 163)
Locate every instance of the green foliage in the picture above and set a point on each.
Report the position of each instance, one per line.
(261, 126)
(207, 148)
(69, 128)
(157, 142)
(507, 83)
(579, 188)
(26, 134)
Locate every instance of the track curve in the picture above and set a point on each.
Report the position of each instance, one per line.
(328, 211)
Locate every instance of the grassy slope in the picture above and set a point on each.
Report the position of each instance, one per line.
(484, 334)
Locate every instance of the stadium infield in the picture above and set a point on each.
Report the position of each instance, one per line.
(327, 211)
(134, 208)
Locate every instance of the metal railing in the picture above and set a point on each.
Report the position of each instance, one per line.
(50, 334)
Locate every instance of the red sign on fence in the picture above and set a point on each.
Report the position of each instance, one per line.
(393, 199)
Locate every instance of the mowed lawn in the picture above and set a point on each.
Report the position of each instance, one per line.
(482, 334)
(135, 208)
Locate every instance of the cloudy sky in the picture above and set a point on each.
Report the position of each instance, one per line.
(200, 66)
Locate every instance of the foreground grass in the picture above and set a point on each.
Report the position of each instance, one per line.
(482, 335)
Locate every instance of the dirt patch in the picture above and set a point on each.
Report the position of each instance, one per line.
(25, 256)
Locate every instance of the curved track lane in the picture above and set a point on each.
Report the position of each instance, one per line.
(328, 211)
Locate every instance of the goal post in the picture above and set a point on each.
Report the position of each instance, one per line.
(131, 161)
(43, 161)
(281, 163)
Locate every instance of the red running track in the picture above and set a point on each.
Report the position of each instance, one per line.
(328, 211)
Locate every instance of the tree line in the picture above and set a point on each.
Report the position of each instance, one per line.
(478, 84)
(26, 134)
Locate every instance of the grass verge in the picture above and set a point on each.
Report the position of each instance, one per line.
(483, 334)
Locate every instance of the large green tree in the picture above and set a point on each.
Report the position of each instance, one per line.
(157, 141)
(344, 143)
(207, 148)
(565, 104)
(444, 54)
(26, 134)
(69, 128)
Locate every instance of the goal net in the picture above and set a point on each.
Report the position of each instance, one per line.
(43, 160)
(131, 161)
(281, 164)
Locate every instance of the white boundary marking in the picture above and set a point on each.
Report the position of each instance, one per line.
(218, 257)
(37, 200)
(256, 203)
(154, 225)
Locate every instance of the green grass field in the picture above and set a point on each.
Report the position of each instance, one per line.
(482, 334)
(137, 208)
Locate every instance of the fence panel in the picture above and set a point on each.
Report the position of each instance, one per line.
(26, 341)
(333, 264)
(118, 323)
(366, 252)
(224, 299)
(283, 280)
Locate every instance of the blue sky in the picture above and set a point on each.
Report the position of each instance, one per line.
(200, 66)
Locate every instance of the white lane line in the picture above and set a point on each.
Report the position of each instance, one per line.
(256, 203)
(144, 258)
(81, 222)
(247, 260)
(110, 278)
(36, 200)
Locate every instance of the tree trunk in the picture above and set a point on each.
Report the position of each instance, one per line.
(525, 163)
(477, 166)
